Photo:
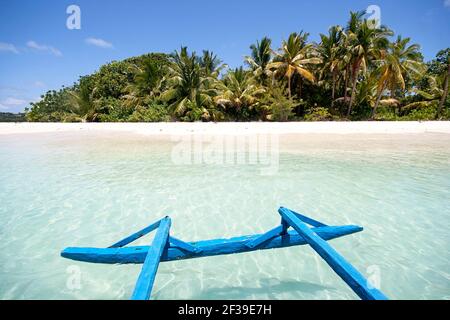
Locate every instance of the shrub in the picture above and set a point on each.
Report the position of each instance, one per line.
(152, 113)
(278, 105)
(428, 113)
(423, 112)
(112, 110)
(70, 117)
(319, 114)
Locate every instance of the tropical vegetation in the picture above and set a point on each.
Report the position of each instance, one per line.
(355, 72)
(12, 117)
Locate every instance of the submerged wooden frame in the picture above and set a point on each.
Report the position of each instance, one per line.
(167, 248)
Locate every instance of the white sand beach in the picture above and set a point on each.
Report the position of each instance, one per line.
(180, 128)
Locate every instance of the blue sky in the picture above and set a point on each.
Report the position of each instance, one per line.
(38, 52)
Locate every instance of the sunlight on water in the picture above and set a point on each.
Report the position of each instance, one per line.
(79, 190)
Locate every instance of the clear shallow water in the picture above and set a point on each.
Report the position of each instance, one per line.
(89, 189)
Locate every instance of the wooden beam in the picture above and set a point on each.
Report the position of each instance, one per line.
(136, 235)
(307, 220)
(344, 269)
(144, 284)
(183, 245)
(206, 248)
(285, 227)
(265, 237)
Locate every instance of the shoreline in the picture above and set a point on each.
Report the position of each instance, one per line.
(233, 128)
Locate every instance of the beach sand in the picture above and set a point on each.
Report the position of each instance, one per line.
(234, 128)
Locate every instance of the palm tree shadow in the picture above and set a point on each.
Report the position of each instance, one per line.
(268, 286)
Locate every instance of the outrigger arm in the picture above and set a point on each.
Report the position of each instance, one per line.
(144, 284)
(342, 267)
(167, 248)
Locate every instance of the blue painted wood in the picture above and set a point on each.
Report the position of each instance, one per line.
(208, 248)
(136, 235)
(307, 220)
(344, 269)
(183, 245)
(265, 237)
(285, 226)
(144, 284)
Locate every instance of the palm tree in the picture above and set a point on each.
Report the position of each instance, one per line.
(431, 95)
(239, 90)
(364, 43)
(367, 91)
(445, 87)
(260, 57)
(210, 63)
(149, 79)
(294, 58)
(211, 67)
(81, 101)
(396, 63)
(148, 75)
(189, 90)
(330, 50)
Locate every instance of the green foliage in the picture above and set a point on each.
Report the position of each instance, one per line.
(191, 90)
(439, 65)
(114, 110)
(353, 73)
(260, 57)
(416, 111)
(51, 107)
(210, 63)
(149, 73)
(421, 114)
(239, 94)
(112, 80)
(152, 113)
(279, 106)
(12, 117)
(295, 57)
(319, 114)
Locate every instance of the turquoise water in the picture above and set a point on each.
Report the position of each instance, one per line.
(89, 189)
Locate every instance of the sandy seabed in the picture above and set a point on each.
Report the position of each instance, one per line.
(391, 178)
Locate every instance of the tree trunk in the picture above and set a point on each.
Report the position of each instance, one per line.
(300, 81)
(300, 87)
(374, 110)
(333, 89)
(354, 80)
(289, 87)
(444, 95)
(347, 76)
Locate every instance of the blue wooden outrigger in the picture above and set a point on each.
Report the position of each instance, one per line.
(167, 248)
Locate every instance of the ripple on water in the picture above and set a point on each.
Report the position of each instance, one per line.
(66, 191)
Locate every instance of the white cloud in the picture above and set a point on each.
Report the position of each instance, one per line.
(45, 48)
(10, 102)
(39, 84)
(8, 47)
(10, 89)
(99, 43)
(447, 3)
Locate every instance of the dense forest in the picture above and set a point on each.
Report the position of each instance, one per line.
(12, 117)
(356, 72)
